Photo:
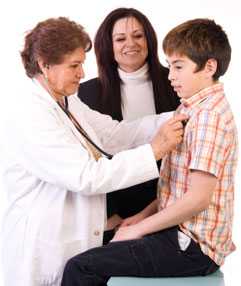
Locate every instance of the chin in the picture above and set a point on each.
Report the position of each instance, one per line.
(72, 91)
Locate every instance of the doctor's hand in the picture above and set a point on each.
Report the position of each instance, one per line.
(168, 136)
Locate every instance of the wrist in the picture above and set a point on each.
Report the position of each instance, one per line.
(158, 151)
(141, 228)
(146, 213)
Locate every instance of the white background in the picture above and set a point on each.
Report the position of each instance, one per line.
(16, 17)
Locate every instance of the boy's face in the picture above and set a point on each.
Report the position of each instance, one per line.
(184, 78)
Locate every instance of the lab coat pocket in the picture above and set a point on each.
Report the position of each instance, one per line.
(50, 259)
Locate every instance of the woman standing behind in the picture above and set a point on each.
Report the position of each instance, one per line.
(132, 83)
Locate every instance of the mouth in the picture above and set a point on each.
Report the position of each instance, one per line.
(130, 53)
(177, 88)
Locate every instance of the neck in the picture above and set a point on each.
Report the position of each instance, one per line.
(45, 84)
(139, 75)
(128, 69)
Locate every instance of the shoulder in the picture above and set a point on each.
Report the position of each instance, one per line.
(92, 85)
(89, 92)
(94, 82)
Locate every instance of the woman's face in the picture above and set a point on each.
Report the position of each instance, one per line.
(64, 78)
(129, 44)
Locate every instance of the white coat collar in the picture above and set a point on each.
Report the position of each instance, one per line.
(43, 94)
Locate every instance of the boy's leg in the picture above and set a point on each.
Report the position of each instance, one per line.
(156, 255)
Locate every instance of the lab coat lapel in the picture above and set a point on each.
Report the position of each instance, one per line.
(41, 92)
(68, 123)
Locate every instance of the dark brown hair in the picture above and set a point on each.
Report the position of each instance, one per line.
(200, 40)
(51, 40)
(107, 66)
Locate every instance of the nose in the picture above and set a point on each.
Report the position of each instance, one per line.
(130, 41)
(171, 75)
(81, 73)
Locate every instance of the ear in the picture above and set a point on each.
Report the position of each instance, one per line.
(43, 66)
(211, 67)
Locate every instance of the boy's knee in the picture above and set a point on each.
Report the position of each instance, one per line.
(76, 264)
(74, 269)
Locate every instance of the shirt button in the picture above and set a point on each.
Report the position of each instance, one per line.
(96, 232)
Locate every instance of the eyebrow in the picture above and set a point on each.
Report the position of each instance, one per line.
(76, 62)
(175, 62)
(123, 33)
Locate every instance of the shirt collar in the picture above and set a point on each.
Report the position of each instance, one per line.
(202, 95)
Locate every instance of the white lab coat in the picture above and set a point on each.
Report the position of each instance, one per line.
(56, 190)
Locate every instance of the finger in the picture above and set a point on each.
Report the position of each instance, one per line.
(180, 139)
(176, 125)
(179, 132)
(180, 117)
(125, 223)
(178, 135)
(174, 120)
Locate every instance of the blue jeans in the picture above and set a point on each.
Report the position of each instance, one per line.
(155, 255)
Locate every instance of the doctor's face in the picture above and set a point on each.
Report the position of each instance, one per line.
(129, 44)
(63, 79)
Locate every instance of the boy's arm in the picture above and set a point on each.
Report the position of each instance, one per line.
(147, 211)
(195, 200)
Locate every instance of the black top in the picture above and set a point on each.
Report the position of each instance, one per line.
(133, 199)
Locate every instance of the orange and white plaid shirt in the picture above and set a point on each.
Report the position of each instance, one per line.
(210, 144)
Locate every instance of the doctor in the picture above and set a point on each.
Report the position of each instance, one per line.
(57, 163)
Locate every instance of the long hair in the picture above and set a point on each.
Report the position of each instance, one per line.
(107, 66)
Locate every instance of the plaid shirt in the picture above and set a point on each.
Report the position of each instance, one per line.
(209, 145)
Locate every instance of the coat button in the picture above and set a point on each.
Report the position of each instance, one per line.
(96, 232)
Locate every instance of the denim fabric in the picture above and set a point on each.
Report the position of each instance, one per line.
(155, 255)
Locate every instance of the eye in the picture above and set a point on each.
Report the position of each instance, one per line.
(139, 35)
(74, 66)
(119, 39)
(178, 67)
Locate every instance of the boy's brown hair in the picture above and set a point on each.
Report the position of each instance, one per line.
(200, 40)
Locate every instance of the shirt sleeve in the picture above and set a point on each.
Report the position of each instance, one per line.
(207, 142)
(42, 145)
(117, 136)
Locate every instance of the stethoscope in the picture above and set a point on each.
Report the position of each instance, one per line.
(80, 129)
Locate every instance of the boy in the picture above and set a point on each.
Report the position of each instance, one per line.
(187, 230)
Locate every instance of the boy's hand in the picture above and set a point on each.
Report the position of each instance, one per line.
(133, 219)
(127, 233)
(168, 136)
